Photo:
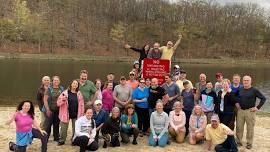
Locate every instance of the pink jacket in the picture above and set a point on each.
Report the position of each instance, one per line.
(62, 103)
(178, 121)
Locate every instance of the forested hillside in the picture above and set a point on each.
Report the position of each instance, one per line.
(102, 27)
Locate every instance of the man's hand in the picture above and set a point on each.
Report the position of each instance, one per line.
(180, 36)
(238, 106)
(253, 109)
(127, 46)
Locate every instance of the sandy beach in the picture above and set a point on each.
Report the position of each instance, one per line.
(7, 133)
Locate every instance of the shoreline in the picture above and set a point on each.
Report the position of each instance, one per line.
(84, 57)
(7, 133)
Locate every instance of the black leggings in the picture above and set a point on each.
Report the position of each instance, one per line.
(143, 118)
(82, 141)
(36, 134)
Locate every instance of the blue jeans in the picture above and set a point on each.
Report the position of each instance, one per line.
(162, 142)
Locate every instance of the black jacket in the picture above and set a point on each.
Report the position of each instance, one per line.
(111, 126)
(229, 102)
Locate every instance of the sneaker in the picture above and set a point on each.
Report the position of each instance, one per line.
(134, 142)
(248, 146)
(200, 142)
(60, 143)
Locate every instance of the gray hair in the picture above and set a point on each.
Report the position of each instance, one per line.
(45, 77)
(115, 109)
(176, 103)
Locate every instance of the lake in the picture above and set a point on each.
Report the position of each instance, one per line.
(20, 79)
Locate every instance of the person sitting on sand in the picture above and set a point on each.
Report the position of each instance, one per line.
(197, 124)
(85, 132)
(159, 123)
(220, 135)
(129, 125)
(27, 127)
(110, 129)
(177, 122)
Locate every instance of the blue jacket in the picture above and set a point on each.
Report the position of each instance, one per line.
(126, 127)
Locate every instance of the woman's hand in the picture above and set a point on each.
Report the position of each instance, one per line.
(43, 132)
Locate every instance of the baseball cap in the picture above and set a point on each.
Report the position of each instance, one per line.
(122, 78)
(98, 102)
(177, 66)
(131, 72)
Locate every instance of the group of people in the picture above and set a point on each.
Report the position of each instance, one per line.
(140, 107)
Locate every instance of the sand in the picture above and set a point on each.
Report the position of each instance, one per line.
(7, 133)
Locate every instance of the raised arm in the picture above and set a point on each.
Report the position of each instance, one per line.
(177, 42)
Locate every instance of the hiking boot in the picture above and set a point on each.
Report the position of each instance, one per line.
(60, 143)
(105, 144)
(248, 146)
(134, 142)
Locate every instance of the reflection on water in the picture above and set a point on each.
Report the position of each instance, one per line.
(19, 79)
(264, 87)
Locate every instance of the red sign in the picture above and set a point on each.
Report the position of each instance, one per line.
(153, 68)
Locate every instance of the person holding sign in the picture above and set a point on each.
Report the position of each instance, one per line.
(167, 51)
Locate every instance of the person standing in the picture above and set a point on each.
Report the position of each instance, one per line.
(143, 51)
(107, 97)
(168, 51)
(155, 52)
(46, 81)
(122, 94)
(140, 95)
(173, 92)
(208, 101)
(71, 107)
(218, 84)
(226, 103)
(156, 92)
(87, 89)
(247, 111)
(187, 96)
(132, 82)
(98, 93)
(50, 108)
(182, 79)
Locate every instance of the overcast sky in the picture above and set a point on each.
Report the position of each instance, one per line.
(262, 3)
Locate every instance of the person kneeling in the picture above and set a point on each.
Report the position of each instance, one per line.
(129, 125)
(177, 122)
(220, 135)
(197, 125)
(110, 129)
(159, 122)
(85, 132)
